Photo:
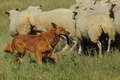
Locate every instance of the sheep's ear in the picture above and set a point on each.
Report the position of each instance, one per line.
(17, 9)
(54, 26)
(108, 1)
(7, 12)
(40, 6)
(85, 8)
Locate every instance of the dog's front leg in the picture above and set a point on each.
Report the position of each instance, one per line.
(54, 56)
(39, 56)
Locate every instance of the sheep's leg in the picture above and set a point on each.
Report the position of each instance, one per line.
(73, 47)
(108, 48)
(100, 49)
(80, 49)
(66, 47)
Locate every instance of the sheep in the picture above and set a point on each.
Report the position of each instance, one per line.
(100, 5)
(104, 6)
(88, 1)
(35, 8)
(84, 4)
(72, 7)
(13, 15)
(114, 1)
(24, 22)
(62, 17)
(92, 26)
(116, 11)
(116, 16)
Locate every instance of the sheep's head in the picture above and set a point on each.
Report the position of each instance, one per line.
(116, 7)
(77, 8)
(12, 11)
(35, 8)
(75, 13)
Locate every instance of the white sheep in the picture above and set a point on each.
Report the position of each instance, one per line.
(72, 7)
(24, 22)
(92, 26)
(87, 1)
(114, 1)
(104, 6)
(62, 17)
(12, 16)
(35, 8)
(84, 4)
(116, 11)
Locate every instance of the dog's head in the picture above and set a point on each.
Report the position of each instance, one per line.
(60, 31)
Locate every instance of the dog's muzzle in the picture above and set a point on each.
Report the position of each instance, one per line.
(65, 37)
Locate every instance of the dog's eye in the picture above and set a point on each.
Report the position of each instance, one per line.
(62, 29)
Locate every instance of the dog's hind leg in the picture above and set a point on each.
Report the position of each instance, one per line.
(19, 58)
(20, 50)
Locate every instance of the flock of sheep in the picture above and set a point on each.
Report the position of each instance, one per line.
(91, 23)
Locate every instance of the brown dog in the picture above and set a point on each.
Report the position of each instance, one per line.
(40, 45)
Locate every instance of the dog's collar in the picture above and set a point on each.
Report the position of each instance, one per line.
(52, 50)
(52, 46)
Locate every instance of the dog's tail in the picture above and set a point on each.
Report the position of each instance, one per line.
(7, 48)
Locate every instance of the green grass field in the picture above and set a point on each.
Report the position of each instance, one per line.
(70, 66)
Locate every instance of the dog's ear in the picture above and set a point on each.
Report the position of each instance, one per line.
(54, 26)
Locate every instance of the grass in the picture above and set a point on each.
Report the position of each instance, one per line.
(70, 66)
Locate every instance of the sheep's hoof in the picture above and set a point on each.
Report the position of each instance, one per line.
(80, 54)
(108, 52)
(100, 56)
